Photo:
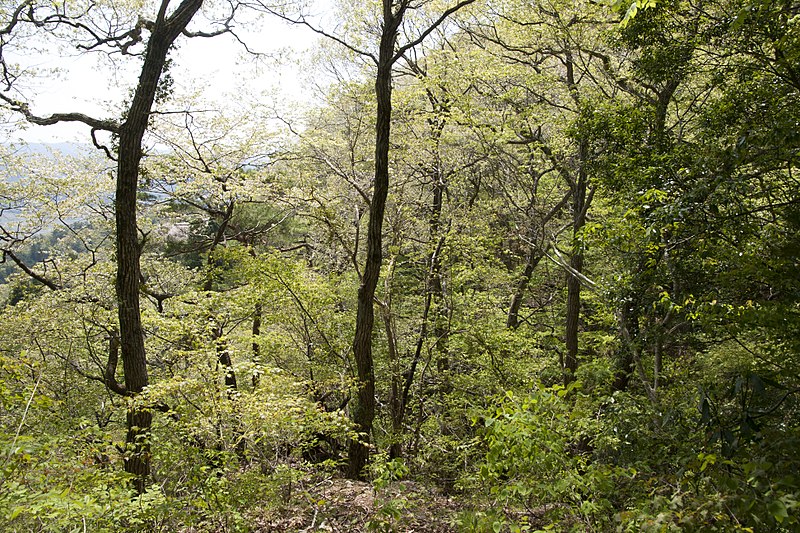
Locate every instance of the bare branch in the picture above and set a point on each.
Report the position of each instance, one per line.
(25, 268)
(227, 26)
(403, 49)
(123, 41)
(100, 146)
(56, 118)
(301, 21)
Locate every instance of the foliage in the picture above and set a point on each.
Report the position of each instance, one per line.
(538, 456)
(623, 176)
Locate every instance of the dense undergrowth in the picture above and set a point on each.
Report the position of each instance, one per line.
(587, 313)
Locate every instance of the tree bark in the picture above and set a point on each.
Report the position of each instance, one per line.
(363, 412)
(131, 133)
(579, 208)
(256, 332)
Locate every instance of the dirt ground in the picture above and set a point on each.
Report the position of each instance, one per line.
(340, 505)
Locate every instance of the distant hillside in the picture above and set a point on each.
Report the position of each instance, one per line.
(47, 150)
(65, 148)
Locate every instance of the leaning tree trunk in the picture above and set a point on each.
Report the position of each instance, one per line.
(532, 261)
(131, 133)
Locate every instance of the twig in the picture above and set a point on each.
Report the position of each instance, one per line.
(22, 422)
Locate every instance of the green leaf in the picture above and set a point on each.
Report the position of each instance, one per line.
(778, 510)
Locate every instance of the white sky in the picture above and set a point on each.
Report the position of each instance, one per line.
(218, 67)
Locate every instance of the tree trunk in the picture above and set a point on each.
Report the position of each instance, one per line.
(512, 318)
(396, 407)
(579, 206)
(536, 252)
(256, 331)
(629, 333)
(363, 412)
(131, 133)
(441, 329)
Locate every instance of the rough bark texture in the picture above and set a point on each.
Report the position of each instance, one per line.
(131, 133)
(363, 411)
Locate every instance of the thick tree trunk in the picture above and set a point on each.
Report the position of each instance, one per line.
(137, 459)
(134, 361)
(572, 320)
(224, 357)
(131, 133)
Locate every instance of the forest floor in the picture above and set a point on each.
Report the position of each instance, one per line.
(341, 505)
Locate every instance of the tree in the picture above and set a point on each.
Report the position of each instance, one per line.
(392, 15)
(561, 53)
(167, 26)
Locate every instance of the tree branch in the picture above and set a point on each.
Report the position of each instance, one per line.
(100, 146)
(109, 376)
(15, 17)
(38, 277)
(95, 124)
(403, 49)
(303, 22)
